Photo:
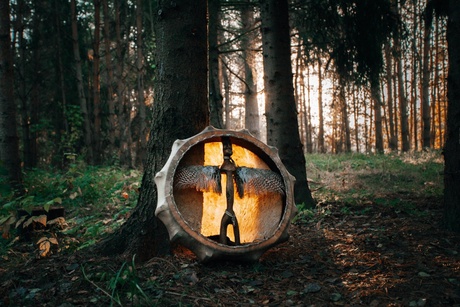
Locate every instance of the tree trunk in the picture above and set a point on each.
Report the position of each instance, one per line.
(280, 108)
(180, 111)
(452, 145)
(22, 87)
(345, 122)
(109, 71)
(215, 93)
(404, 122)
(61, 77)
(142, 142)
(97, 84)
(122, 109)
(425, 106)
(227, 111)
(80, 87)
(248, 41)
(321, 147)
(393, 143)
(9, 141)
(377, 102)
(414, 73)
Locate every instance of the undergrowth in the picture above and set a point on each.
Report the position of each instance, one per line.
(352, 182)
(95, 200)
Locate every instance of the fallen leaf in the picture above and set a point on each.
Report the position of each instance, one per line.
(37, 219)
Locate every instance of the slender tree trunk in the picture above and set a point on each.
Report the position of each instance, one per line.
(60, 72)
(393, 143)
(80, 87)
(436, 124)
(180, 111)
(345, 122)
(122, 108)
(142, 142)
(299, 96)
(321, 147)
(425, 106)
(97, 151)
(306, 105)
(215, 93)
(355, 117)
(404, 122)
(9, 141)
(414, 80)
(248, 41)
(375, 92)
(366, 128)
(227, 111)
(280, 108)
(22, 87)
(452, 146)
(36, 91)
(110, 78)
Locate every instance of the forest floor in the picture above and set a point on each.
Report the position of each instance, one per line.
(380, 249)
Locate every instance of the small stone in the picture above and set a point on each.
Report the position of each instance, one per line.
(312, 288)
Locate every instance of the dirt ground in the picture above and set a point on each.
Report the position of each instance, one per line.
(374, 256)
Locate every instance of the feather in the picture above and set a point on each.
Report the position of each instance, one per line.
(202, 178)
(258, 181)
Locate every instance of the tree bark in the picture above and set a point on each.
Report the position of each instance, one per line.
(280, 108)
(414, 91)
(142, 142)
(215, 92)
(425, 106)
(248, 41)
(377, 102)
(452, 146)
(80, 87)
(404, 121)
(123, 105)
(97, 151)
(393, 143)
(321, 147)
(180, 111)
(9, 141)
(110, 78)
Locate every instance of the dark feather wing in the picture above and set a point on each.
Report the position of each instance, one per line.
(257, 181)
(201, 178)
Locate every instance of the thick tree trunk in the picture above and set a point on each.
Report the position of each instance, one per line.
(180, 111)
(280, 108)
(215, 93)
(80, 87)
(248, 41)
(9, 141)
(452, 145)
